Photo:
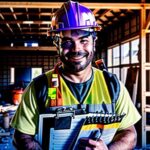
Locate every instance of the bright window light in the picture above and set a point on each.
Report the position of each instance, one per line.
(25, 45)
(109, 58)
(36, 72)
(116, 55)
(12, 44)
(125, 53)
(134, 51)
(35, 44)
(12, 75)
(31, 44)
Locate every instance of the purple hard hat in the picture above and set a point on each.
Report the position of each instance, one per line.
(73, 15)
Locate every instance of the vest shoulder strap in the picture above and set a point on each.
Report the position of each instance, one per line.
(112, 84)
(111, 80)
(41, 90)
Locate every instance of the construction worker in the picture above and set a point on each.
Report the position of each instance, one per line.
(75, 83)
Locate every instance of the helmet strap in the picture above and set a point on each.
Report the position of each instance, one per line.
(94, 42)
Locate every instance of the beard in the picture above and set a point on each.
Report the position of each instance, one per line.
(76, 66)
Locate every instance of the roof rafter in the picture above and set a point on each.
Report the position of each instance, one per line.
(25, 22)
(44, 48)
(89, 5)
(147, 25)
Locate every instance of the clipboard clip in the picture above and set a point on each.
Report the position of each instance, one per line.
(65, 111)
(63, 118)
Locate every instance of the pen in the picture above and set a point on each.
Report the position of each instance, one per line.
(96, 135)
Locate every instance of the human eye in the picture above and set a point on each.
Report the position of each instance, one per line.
(66, 44)
(84, 41)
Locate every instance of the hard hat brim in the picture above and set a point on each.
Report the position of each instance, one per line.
(95, 28)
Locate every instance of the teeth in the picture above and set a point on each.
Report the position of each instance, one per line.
(80, 57)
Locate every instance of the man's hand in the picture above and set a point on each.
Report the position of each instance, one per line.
(89, 144)
(124, 140)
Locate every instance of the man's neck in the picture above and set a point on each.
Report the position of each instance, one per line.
(79, 77)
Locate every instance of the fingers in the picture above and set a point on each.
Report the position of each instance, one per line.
(87, 141)
(89, 144)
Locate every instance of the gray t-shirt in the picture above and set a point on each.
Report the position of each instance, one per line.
(80, 90)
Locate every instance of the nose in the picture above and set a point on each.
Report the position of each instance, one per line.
(77, 46)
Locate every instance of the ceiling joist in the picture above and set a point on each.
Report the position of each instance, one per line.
(22, 48)
(27, 13)
(147, 25)
(25, 22)
(89, 5)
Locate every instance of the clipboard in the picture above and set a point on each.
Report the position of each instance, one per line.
(50, 137)
(67, 138)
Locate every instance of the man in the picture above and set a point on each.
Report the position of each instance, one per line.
(75, 83)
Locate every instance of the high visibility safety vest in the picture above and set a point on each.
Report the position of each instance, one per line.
(51, 95)
(55, 94)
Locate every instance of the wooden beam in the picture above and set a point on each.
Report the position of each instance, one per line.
(104, 13)
(147, 22)
(22, 48)
(27, 13)
(32, 33)
(34, 28)
(27, 28)
(95, 11)
(23, 33)
(2, 17)
(25, 22)
(135, 6)
(147, 31)
(143, 74)
(30, 4)
(9, 27)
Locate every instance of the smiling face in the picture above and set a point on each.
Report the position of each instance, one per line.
(76, 49)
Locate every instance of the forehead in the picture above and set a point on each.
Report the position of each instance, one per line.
(76, 33)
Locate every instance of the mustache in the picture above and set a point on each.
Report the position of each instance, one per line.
(79, 53)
